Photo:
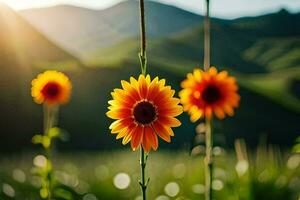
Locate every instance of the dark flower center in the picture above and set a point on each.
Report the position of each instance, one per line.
(51, 90)
(144, 112)
(211, 94)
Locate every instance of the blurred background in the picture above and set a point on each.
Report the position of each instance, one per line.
(96, 44)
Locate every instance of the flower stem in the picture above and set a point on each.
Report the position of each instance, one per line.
(142, 54)
(208, 133)
(208, 160)
(207, 37)
(143, 183)
(50, 120)
(143, 61)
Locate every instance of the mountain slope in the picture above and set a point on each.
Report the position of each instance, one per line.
(275, 53)
(281, 24)
(95, 29)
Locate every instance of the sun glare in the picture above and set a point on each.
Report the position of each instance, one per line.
(16, 4)
(26, 4)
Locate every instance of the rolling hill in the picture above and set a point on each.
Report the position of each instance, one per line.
(96, 29)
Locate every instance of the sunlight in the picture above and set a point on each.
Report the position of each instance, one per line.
(15, 4)
(26, 4)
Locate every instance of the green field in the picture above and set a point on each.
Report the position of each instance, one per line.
(265, 173)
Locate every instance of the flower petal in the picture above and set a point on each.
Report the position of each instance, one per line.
(137, 137)
(161, 132)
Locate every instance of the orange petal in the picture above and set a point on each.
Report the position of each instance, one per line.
(167, 102)
(143, 87)
(169, 121)
(222, 75)
(163, 95)
(147, 138)
(213, 71)
(219, 113)
(148, 80)
(137, 137)
(127, 137)
(121, 113)
(134, 83)
(173, 111)
(151, 136)
(195, 116)
(197, 74)
(161, 132)
(118, 125)
(229, 110)
(153, 89)
(126, 131)
(122, 97)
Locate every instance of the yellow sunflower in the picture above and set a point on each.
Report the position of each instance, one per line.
(51, 87)
(205, 93)
(143, 110)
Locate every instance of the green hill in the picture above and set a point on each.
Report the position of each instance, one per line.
(96, 29)
(275, 53)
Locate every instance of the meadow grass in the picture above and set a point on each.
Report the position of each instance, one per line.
(112, 175)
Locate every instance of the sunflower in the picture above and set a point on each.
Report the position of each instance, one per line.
(143, 110)
(205, 93)
(51, 87)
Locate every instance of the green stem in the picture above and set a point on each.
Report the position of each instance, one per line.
(143, 61)
(142, 54)
(50, 120)
(208, 160)
(143, 183)
(208, 122)
(207, 37)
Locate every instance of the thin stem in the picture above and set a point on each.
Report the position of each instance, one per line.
(46, 118)
(208, 160)
(50, 120)
(143, 28)
(143, 183)
(142, 54)
(143, 61)
(207, 37)
(208, 122)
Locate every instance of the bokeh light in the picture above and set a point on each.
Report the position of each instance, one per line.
(19, 175)
(8, 190)
(40, 161)
(122, 181)
(172, 189)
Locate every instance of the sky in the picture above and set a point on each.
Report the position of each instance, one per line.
(220, 8)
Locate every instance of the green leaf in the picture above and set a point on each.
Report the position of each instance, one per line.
(46, 142)
(37, 139)
(64, 194)
(54, 132)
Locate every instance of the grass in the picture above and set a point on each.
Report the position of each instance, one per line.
(265, 174)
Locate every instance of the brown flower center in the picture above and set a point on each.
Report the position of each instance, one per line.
(51, 90)
(211, 94)
(144, 112)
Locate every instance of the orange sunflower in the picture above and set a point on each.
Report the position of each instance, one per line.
(51, 87)
(205, 93)
(143, 110)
